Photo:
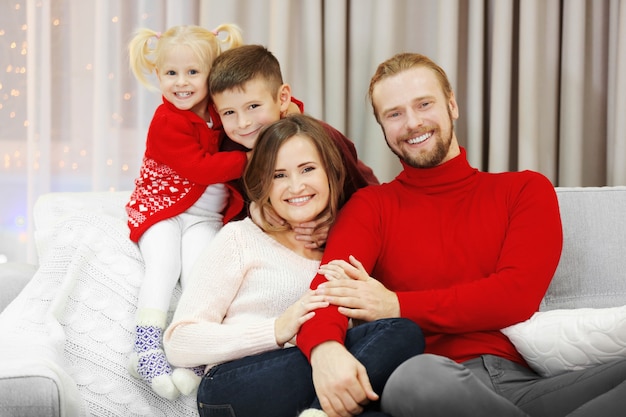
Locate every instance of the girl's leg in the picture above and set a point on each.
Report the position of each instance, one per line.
(160, 248)
(276, 383)
(198, 232)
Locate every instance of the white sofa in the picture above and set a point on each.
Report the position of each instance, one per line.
(66, 336)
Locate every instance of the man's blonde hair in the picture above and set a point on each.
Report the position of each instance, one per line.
(402, 62)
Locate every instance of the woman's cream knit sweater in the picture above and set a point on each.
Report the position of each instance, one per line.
(241, 283)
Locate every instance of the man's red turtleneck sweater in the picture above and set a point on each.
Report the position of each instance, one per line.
(467, 253)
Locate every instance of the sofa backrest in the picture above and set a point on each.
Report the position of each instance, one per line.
(592, 268)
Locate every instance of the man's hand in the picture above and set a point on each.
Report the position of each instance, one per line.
(340, 381)
(270, 215)
(312, 237)
(358, 295)
(308, 233)
(292, 109)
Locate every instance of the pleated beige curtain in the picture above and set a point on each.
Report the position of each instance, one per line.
(541, 84)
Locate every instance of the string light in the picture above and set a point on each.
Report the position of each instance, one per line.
(64, 154)
(12, 103)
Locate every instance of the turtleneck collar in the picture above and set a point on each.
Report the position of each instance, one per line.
(453, 174)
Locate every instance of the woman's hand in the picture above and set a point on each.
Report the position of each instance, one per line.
(288, 324)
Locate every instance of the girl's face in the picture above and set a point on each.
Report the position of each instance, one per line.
(300, 188)
(183, 80)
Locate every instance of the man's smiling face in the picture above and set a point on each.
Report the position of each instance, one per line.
(416, 117)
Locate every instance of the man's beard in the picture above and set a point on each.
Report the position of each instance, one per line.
(431, 158)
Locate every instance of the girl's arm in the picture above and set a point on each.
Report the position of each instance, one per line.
(191, 149)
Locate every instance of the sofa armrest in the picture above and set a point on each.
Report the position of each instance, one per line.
(31, 394)
(13, 278)
(33, 381)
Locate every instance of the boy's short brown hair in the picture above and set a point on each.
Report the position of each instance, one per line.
(235, 67)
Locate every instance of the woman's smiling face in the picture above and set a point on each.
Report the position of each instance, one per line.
(300, 188)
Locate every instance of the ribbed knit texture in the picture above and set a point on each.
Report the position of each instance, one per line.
(241, 283)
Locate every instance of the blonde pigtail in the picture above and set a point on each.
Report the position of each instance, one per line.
(234, 37)
(140, 53)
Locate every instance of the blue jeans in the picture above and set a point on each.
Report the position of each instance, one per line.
(493, 386)
(278, 383)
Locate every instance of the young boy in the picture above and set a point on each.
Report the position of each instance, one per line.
(248, 93)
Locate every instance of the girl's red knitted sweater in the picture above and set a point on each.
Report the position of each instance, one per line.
(466, 252)
(180, 161)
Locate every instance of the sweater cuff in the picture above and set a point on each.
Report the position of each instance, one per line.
(315, 335)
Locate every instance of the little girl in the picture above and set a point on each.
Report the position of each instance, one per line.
(182, 196)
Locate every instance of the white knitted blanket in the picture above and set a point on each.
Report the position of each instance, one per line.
(75, 319)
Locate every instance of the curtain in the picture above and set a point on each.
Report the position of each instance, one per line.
(541, 84)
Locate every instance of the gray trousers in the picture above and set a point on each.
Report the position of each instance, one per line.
(430, 385)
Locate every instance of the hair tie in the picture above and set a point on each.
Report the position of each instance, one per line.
(215, 32)
(157, 35)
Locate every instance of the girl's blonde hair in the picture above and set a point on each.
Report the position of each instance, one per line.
(147, 49)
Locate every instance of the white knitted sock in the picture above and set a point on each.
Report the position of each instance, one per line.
(187, 380)
(312, 412)
(151, 362)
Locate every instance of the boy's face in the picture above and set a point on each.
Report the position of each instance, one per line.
(244, 112)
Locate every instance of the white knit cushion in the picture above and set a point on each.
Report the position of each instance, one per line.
(557, 341)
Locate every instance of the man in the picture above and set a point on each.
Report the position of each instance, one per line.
(461, 252)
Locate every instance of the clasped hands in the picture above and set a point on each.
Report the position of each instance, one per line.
(357, 295)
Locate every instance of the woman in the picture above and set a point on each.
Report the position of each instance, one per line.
(249, 292)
